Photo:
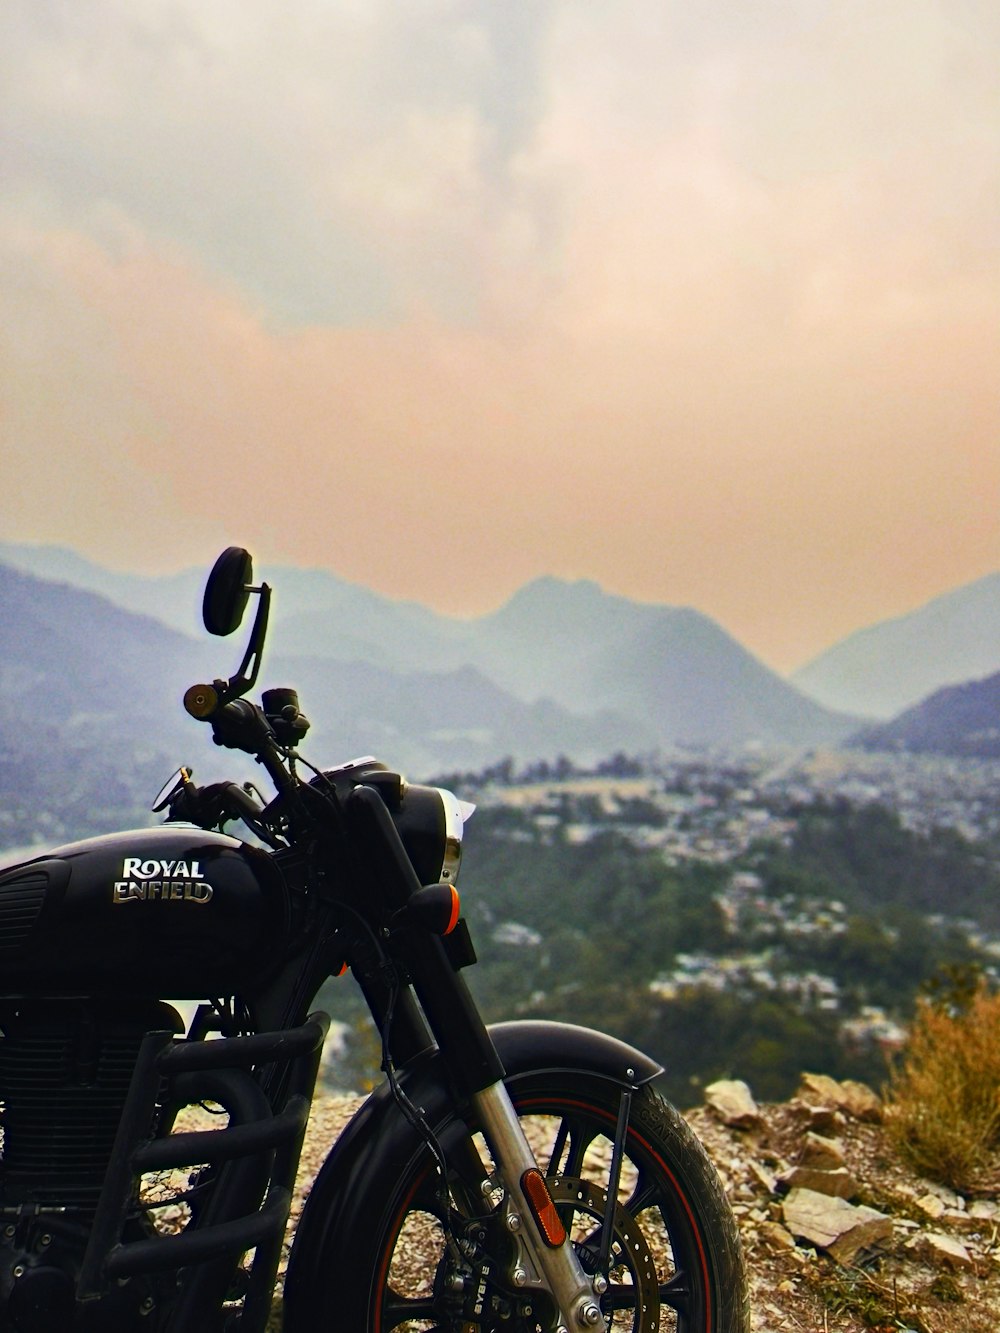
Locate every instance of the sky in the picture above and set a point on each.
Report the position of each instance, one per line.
(699, 300)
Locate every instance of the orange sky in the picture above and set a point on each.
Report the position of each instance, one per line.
(704, 310)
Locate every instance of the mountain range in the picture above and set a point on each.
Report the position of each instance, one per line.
(562, 668)
(875, 673)
(94, 663)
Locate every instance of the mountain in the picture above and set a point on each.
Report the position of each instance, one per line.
(891, 666)
(174, 599)
(962, 720)
(673, 674)
(671, 667)
(314, 613)
(91, 721)
(585, 666)
(429, 721)
(90, 717)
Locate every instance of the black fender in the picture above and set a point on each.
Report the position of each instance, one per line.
(338, 1200)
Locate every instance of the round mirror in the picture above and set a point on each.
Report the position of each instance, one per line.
(227, 591)
(173, 784)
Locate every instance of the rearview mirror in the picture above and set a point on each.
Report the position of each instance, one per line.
(227, 591)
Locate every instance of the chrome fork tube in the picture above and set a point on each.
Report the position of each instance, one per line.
(569, 1285)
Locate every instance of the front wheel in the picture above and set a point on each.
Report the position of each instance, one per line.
(424, 1264)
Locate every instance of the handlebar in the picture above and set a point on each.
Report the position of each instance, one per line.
(240, 725)
(265, 733)
(215, 804)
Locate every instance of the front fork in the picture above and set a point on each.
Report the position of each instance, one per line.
(559, 1267)
(471, 1059)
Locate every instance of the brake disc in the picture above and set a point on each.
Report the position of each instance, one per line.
(630, 1263)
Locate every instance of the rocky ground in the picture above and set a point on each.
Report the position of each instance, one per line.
(840, 1237)
(839, 1234)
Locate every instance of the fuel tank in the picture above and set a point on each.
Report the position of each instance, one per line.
(173, 911)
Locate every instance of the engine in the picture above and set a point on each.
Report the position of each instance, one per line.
(65, 1069)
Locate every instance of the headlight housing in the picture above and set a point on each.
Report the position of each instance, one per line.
(431, 821)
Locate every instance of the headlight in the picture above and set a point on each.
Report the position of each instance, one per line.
(456, 813)
(430, 821)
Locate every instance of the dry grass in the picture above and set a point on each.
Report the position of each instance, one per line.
(944, 1096)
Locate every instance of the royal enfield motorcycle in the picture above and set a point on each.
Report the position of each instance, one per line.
(525, 1177)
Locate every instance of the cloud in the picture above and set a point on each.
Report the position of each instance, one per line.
(699, 302)
(327, 158)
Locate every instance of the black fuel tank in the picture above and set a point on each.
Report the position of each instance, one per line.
(171, 911)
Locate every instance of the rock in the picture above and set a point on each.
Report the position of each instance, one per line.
(841, 1228)
(763, 1177)
(973, 1226)
(937, 1248)
(819, 1090)
(931, 1205)
(838, 1184)
(948, 1197)
(821, 1153)
(823, 1119)
(984, 1210)
(861, 1102)
(857, 1099)
(776, 1237)
(733, 1102)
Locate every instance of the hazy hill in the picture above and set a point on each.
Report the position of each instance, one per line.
(607, 670)
(320, 614)
(672, 672)
(671, 666)
(958, 720)
(91, 720)
(173, 599)
(431, 721)
(90, 716)
(67, 654)
(890, 666)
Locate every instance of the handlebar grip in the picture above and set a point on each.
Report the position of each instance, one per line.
(201, 701)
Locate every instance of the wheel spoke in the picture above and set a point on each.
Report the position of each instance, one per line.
(619, 1296)
(581, 1136)
(676, 1293)
(401, 1309)
(646, 1194)
(558, 1146)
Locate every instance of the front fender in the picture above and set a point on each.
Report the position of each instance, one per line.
(533, 1046)
(339, 1199)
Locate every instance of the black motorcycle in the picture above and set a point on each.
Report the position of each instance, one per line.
(524, 1177)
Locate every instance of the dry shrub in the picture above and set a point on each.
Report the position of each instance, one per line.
(944, 1095)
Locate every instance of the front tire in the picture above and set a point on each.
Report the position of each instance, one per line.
(676, 1264)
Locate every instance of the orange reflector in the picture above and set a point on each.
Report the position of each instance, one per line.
(456, 911)
(543, 1209)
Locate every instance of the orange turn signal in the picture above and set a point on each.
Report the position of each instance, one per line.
(436, 907)
(542, 1208)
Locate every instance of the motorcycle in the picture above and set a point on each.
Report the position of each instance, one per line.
(524, 1177)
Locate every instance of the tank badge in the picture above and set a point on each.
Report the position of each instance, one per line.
(162, 881)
